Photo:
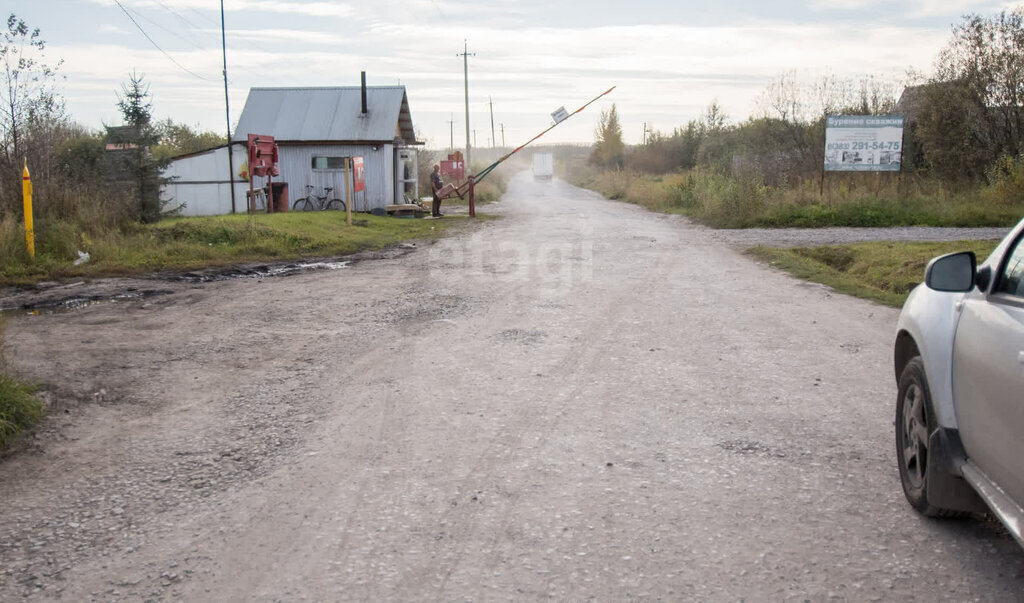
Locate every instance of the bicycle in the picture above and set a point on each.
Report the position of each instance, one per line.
(313, 202)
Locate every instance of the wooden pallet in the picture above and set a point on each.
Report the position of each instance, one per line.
(405, 210)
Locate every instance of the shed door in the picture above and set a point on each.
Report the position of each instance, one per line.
(406, 180)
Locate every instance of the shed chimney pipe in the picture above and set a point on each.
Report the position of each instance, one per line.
(362, 90)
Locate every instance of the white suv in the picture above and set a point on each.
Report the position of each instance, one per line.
(960, 367)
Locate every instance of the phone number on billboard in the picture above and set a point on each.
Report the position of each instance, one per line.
(864, 146)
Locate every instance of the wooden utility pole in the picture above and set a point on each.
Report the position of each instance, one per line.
(465, 73)
(491, 103)
(227, 108)
(451, 133)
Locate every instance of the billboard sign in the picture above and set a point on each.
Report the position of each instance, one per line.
(863, 143)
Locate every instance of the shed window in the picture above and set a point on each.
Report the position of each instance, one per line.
(329, 163)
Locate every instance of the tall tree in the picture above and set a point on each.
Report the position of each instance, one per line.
(135, 160)
(179, 139)
(28, 83)
(713, 119)
(971, 111)
(609, 149)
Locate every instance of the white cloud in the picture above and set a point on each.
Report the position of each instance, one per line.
(666, 73)
(932, 8)
(847, 5)
(112, 29)
(912, 8)
(312, 9)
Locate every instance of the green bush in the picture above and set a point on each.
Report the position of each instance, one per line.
(20, 411)
(12, 243)
(58, 240)
(1005, 181)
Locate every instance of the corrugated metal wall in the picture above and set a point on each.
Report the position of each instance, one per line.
(200, 180)
(295, 164)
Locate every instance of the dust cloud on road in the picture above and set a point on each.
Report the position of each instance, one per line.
(581, 400)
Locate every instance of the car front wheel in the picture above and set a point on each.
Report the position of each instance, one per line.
(915, 423)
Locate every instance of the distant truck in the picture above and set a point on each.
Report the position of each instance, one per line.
(543, 166)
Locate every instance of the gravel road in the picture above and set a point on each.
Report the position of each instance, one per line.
(580, 401)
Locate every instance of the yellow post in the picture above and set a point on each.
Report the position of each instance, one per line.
(26, 191)
(348, 189)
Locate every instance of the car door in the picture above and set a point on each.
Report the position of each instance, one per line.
(988, 374)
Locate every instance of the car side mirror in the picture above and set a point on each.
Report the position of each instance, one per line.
(954, 272)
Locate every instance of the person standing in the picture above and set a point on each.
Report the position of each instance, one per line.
(436, 184)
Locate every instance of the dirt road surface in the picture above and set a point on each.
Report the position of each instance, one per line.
(579, 401)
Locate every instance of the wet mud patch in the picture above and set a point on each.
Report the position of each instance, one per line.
(523, 337)
(752, 448)
(60, 303)
(49, 296)
(422, 308)
(261, 271)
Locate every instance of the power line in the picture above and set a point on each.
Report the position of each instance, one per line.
(157, 46)
(170, 31)
(179, 16)
(211, 21)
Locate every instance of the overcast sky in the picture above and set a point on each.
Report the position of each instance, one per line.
(668, 59)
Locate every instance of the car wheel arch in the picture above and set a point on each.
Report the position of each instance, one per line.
(904, 351)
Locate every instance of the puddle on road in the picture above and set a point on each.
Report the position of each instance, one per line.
(257, 272)
(75, 302)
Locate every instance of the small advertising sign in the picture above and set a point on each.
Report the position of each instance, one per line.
(453, 169)
(863, 143)
(359, 174)
(262, 155)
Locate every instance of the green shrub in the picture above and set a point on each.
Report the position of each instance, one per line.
(12, 243)
(20, 411)
(58, 240)
(1005, 181)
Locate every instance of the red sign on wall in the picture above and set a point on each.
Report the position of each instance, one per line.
(359, 174)
(453, 170)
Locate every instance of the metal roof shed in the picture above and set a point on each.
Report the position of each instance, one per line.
(312, 126)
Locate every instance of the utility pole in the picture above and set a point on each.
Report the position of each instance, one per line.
(645, 133)
(474, 137)
(491, 103)
(465, 73)
(227, 108)
(451, 133)
(502, 135)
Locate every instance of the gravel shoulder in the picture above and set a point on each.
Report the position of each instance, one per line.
(580, 401)
(808, 237)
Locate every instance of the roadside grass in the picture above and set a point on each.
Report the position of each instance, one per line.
(880, 270)
(721, 201)
(20, 411)
(191, 243)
